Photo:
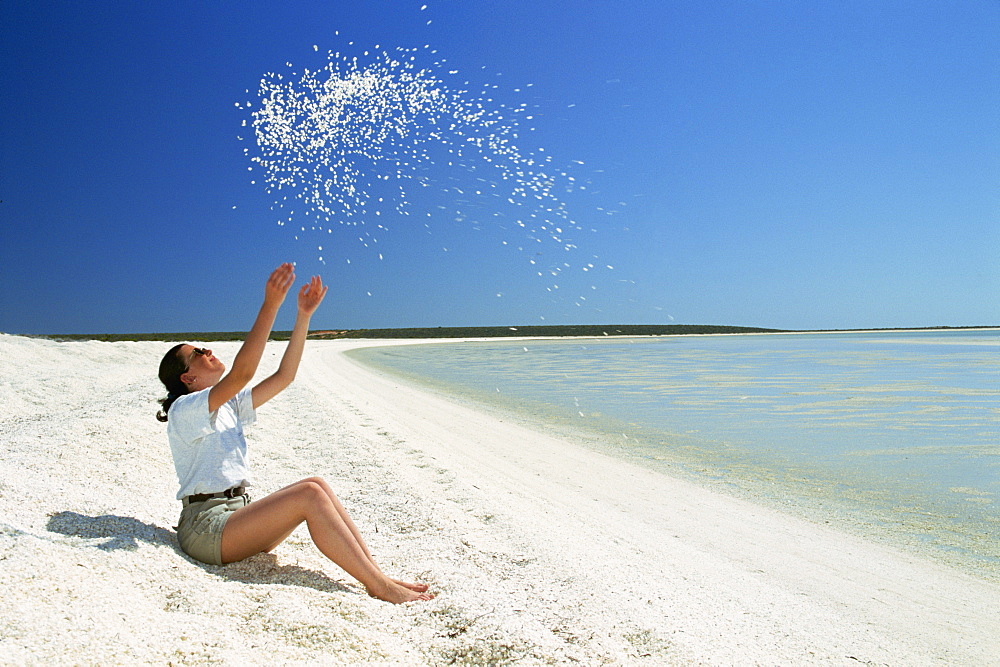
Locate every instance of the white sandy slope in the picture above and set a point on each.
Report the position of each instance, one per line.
(540, 552)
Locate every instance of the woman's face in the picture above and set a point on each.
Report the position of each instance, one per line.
(204, 369)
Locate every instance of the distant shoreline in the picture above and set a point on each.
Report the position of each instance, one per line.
(530, 331)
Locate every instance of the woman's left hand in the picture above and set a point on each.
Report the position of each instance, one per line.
(311, 295)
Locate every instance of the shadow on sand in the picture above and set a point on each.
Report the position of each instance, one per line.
(125, 533)
(264, 569)
(118, 532)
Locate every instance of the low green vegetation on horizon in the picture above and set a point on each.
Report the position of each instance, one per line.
(433, 332)
(540, 330)
(469, 332)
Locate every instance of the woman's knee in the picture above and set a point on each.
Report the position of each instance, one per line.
(319, 481)
(312, 490)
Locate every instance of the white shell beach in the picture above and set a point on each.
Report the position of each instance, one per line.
(539, 551)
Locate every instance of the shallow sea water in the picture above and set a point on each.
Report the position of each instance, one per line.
(893, 435)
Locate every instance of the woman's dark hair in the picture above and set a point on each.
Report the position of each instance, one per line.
(171, 369)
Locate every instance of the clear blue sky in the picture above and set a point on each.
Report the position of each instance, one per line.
(791, 164)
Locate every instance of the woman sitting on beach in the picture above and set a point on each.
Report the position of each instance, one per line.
(207, 411)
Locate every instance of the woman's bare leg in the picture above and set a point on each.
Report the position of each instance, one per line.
(420, 588)
(261, 525)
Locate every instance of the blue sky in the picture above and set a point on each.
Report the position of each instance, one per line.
(779, 164)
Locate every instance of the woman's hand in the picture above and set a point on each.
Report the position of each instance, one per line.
(311, 295)
(278, 284)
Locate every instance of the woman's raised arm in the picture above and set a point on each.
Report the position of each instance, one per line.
(310, 296)
(248, 358)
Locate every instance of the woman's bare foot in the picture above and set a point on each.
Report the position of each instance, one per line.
(419, 588)
(398, 594)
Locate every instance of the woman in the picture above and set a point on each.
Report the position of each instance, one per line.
(207, 411)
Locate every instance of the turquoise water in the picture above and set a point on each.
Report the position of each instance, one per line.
(893, 435)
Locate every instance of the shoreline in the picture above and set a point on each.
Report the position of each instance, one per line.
(539, 550)
(640, 494)
(800, 494)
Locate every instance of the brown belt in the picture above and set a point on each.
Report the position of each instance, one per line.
(234, 492)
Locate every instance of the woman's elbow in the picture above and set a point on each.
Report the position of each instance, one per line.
(283, 378)
(239, 376)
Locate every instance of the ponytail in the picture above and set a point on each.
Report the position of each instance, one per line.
(171, 369)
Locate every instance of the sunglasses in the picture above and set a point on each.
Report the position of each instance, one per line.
(197, 352)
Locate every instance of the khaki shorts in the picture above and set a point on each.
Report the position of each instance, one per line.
(200, 529)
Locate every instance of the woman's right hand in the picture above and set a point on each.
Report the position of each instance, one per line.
(278, 284)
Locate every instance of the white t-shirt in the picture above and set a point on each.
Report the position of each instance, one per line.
(210, 452)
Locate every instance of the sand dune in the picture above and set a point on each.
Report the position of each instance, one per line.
(539, 551)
